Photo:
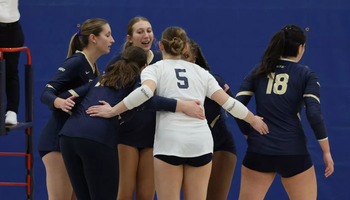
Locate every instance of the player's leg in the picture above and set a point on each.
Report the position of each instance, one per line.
(100, 169)
(168, 179)
(302, 186)
(196, 177)
(57, 181)
(223, 167)
(128, 165)
(256, 177)
(254, 184)
(298, 177)
(145, 188)
(75, 169)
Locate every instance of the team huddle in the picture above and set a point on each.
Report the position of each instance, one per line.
(154, 122)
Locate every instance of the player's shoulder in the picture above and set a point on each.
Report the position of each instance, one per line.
(293, 69)
(115, 58)
(304, 70)
(158, 63)
(203, 73)
(76, 57)
(72, 62)
(196, 67)
(157, 56)
(292, 66)
(250, 75)
(155, 66)
(216, 76)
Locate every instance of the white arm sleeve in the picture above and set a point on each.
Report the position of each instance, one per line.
(235, 108)
(138, 97)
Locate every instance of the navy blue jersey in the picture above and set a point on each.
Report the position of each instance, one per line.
(99, 129)
(139, 130)
(155, 103)
(279, 100)
(103, 130)
(216, 120)
(213, 110)
(157, 56)
(73, 72)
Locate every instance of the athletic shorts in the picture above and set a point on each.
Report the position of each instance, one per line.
(194, 161)
(285, 165)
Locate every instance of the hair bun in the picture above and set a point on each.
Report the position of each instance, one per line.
(176, 45)
(174, 40)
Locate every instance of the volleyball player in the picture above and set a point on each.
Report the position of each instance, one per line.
(281, 87)
(91, 41)
(135, 141)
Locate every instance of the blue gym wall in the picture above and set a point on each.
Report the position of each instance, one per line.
(232, 34)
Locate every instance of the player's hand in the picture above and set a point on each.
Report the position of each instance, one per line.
(327, 157)
(259, 125)
(191, 108)
(67, 104)
(104, 110)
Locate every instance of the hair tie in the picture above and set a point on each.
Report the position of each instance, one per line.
(78, 33)
(287, 28)
(126, 60)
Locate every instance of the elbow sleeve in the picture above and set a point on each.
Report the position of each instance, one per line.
(138, 97)
(235, 108)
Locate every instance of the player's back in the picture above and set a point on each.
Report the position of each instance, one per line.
(177, 133)
(279, 100)
(99, 129)
(181, 80)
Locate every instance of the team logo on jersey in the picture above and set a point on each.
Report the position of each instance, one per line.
(318, 84)
(87, 72)
(62, 69)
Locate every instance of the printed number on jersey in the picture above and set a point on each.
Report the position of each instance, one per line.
(278, 84)
(183, 81)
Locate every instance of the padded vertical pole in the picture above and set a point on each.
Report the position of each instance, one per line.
(29, 114)
(2, 96)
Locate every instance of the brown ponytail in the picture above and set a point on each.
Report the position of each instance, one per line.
(122, 74)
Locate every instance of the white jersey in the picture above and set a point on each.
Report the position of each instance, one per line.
(9, 11)
(176, 133)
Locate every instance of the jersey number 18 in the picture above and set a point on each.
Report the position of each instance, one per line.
(280, 85)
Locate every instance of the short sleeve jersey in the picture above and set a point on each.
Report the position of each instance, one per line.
(176, 133)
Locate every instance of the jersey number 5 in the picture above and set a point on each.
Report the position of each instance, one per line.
(184, 81)
(280, 86)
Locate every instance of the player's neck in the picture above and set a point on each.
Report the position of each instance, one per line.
(91, 54)
(295, 59)
(170, 57)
